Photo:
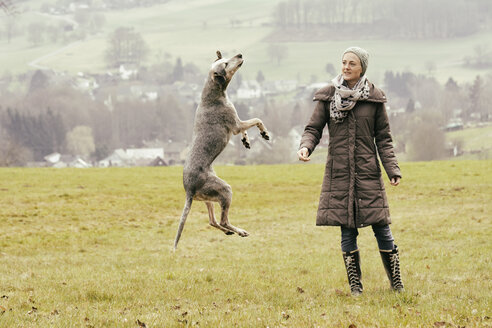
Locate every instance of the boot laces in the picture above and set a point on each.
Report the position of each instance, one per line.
(395, 270)
(352, 272)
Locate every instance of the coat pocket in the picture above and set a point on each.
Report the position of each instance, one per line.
(334, 199)
(367, 166)
(328, 174)
(370, 199)
(340, 167)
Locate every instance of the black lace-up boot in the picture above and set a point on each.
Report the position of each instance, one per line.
(391, 262)
(352, 264)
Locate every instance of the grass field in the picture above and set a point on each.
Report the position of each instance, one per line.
(477, 142)
(195, 29)
(92, 248)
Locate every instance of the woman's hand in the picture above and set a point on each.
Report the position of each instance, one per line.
(303, 154)
(395, 181)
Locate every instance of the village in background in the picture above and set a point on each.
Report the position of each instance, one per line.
(138, 113)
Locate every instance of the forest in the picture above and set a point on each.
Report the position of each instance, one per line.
(419, 19)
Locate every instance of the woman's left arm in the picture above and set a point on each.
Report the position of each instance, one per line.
(384, 143)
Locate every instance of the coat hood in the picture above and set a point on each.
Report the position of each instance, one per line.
(326, 94)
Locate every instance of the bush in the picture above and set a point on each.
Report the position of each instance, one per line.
(426, 140)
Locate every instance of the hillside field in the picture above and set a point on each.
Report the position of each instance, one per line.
(477, 142)
(194, 29)
(93, 248)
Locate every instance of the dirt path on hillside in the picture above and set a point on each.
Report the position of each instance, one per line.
(35, 62)
(69, 20)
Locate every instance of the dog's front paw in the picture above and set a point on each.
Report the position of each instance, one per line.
(246, 143)
(265, 135)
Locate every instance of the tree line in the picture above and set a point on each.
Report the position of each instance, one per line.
(429, 107)
(419, 19)
(62, 119)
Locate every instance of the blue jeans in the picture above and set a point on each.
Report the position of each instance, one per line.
(383, 236)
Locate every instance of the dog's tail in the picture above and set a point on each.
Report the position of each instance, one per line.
(184, 215)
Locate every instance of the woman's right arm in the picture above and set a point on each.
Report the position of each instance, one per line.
(314, 129)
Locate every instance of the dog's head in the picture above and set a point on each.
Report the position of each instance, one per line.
(223, 69)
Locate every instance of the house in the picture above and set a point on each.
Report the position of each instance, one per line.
(176, 152)
(143, 156)
(279, 87)
(249, 89)
(158, 162)
(52, 158)
(79, 163)
(85, 83)
(117, 158)
(190, 92)
(145, 92)
(132, 157)
(57, 160)
(128, 71)
(454, 125)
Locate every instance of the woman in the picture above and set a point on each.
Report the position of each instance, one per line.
(353, 194)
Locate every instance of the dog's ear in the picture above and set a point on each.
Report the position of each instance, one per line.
(219, 55)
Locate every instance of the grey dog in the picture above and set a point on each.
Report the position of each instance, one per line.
(216, 120)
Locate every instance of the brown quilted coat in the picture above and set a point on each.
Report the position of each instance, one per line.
(353, 194)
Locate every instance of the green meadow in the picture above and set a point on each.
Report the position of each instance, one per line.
(194, 29)
(93, 248)
(475, 141)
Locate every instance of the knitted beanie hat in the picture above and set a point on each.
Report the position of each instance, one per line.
(363, 57)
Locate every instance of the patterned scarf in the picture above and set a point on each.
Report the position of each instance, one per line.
(345, 98)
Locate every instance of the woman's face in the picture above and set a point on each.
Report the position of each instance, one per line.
(351, 67)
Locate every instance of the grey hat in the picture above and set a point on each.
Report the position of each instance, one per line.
(363, 57)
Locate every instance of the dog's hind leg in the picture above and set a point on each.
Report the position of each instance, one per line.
(213, 222)
(217, 190)
(224, 221)
(184, 215)
(225, 199)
